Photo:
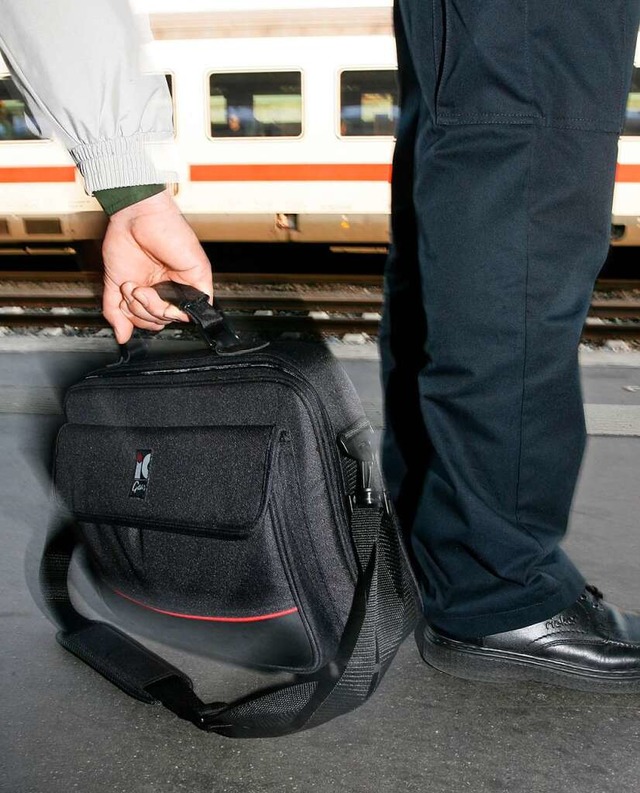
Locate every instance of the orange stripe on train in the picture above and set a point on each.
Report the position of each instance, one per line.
(341, 172)
(627, 173)
(322, 172)
(53, 173)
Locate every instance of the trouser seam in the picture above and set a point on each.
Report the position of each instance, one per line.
(523, 120)
(525, 341)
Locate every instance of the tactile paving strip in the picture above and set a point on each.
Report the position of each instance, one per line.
(613, 420)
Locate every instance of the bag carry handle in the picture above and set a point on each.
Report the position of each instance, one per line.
(208, 317)
(384, 611)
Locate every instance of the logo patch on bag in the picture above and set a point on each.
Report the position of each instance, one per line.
(141, 476)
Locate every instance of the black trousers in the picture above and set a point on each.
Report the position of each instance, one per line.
(502, 188)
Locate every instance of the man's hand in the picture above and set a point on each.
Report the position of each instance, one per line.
(147, 243)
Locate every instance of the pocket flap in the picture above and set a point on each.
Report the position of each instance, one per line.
(198, 479)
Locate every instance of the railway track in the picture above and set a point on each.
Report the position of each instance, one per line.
(91, 276)
(307, 303)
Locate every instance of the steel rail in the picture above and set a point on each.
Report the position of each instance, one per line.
(22, 294)
(239, 301)
(284, 301)
(91, 276)
(279, 324)
(357, 279)
(284, 324)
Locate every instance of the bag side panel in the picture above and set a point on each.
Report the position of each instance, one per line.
(327, 376)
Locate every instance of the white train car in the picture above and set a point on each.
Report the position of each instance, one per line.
(284, 116)
(625, 227)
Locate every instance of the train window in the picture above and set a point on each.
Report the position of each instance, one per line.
(255, 104)
(13, 118)
(632, 120)
(368, 102)
(169, 79)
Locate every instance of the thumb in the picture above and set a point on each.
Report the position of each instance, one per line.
(203, 284)
(206, 287)
(203, 281)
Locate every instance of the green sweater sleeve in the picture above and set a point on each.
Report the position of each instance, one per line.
(116, 198)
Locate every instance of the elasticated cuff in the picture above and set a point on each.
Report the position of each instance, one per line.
(117, 162)
(116, 198)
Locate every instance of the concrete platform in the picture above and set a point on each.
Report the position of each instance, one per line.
(66, 729)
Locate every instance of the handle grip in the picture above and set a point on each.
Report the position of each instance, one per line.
(209, 319)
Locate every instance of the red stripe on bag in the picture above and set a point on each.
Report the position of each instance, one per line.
(257, 618)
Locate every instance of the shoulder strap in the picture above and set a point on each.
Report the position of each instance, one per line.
(384, 611)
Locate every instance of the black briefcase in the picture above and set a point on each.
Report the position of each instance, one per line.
(235, 493)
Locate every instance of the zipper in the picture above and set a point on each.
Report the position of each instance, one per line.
(303, 389)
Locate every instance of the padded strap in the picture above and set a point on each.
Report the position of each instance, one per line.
(384, 612)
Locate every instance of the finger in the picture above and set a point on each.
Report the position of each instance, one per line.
(146, 303)
(137, 304)
(144, 325)
(124, 308)
(141, 323)
(158, 307)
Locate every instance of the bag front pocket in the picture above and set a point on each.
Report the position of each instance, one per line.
(201, 545)
(200, 480)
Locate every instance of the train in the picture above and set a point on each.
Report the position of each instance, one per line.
(284, 116)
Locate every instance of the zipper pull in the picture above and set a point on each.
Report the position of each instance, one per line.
(367, 496)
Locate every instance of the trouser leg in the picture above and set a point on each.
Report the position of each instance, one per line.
(515, 119)
(406, 445)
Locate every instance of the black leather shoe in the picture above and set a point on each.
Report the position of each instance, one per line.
(591, 646)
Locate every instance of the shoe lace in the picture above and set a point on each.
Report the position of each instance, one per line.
(596, 595)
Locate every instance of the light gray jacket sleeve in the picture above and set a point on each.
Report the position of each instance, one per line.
(77, 63)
